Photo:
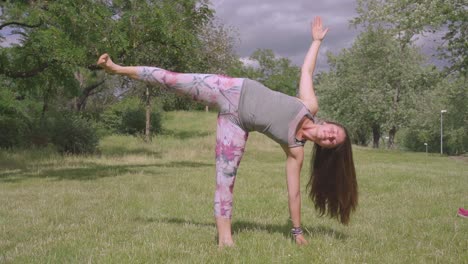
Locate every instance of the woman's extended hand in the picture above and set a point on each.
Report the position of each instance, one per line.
(300, 240)
(318, 33)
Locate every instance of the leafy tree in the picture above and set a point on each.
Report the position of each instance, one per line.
(61, 40)
(57, 40)
(450, 95)
(409, 19)
(371, 85)
(274, 72)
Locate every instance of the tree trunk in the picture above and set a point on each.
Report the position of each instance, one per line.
(393, 130)
(45, 106)
(80, 102)
(375, 136)
(391, 137)
(361, 138)
(148, 115)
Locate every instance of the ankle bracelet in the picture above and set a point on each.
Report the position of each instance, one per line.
(295, 231)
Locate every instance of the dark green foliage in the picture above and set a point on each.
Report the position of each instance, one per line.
(72, 134)
(450, 94)
(173, 102)
(13, 121)
(12, 130)
(128, 117)
(59, 42)
(275, 72)
(23, 125)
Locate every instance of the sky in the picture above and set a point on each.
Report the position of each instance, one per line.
(284, 26)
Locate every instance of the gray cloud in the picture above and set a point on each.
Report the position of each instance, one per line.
(284, 26)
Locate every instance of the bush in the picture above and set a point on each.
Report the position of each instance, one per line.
(455, 141)
(172, 102)
(129, 117)
(13, 121)
(72, 134)
(12, 130)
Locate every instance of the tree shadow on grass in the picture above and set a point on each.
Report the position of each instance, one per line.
(91, 171)
(190, 164)
(285, 229)
(118, 151)
(242, 226)
(186, 134)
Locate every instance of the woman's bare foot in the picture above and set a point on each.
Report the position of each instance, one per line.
(107, 64)
(225, 243)
(224, 232)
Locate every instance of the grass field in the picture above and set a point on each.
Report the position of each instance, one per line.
(152, 203)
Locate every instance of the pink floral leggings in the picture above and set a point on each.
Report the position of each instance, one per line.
(223, 92)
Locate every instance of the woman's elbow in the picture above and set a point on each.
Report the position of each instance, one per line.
(313, 107)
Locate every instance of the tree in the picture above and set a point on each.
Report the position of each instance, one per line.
(58, 40)
(371, 85)
(410, 19)
(277, 73)
(61, 40)
(407, 20)
(424, 127)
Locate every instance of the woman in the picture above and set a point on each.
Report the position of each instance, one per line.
(245, 106)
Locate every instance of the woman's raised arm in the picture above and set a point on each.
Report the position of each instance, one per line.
(306, 86)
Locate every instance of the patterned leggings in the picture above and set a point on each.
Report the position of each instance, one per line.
(223, 92)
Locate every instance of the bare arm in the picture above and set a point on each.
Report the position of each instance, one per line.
(294, 159)
(306, 86)
(109, 66)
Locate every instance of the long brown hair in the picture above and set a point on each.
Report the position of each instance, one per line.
(332, 185)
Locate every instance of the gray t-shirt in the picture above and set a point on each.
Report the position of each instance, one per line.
(272, 113)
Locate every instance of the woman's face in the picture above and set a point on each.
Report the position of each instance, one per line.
(330, 135)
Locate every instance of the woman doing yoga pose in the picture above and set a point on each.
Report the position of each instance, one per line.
(246, 105)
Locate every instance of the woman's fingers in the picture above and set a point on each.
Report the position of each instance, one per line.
(300, 240)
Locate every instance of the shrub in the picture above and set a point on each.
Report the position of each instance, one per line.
(173, 102)
(72, 134)
(12, 129)
(129, 117)
(13, 121)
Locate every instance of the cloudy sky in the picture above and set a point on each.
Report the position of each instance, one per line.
(284, 25)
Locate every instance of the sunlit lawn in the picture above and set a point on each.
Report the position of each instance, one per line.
(152, 203)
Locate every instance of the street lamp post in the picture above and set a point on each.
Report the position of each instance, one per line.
(425, 144)
(441, 131)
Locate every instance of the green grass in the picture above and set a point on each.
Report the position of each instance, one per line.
(152, 203)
